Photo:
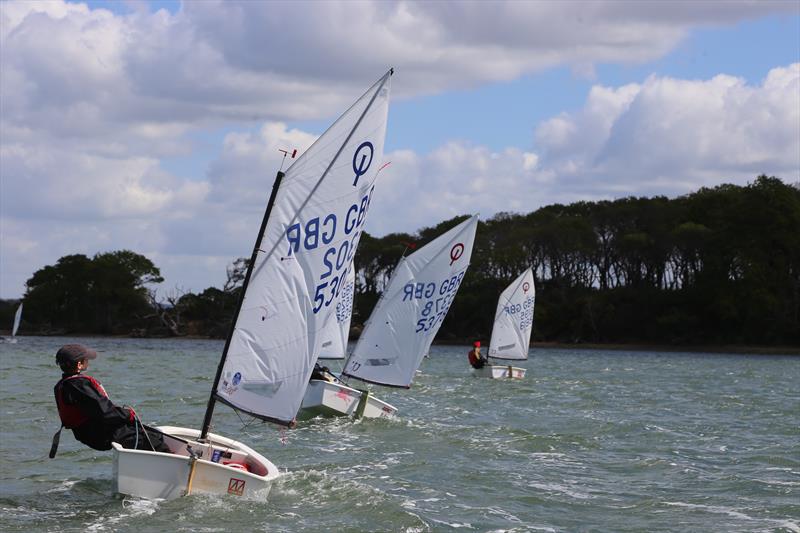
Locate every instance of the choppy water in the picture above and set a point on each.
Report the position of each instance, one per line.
(589, 441)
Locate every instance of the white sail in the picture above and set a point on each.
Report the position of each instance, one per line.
(17, 318)
(337, 331)
(303, 256)
(513, 321)
(411, 310)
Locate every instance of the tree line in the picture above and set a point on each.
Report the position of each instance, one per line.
(721, 265)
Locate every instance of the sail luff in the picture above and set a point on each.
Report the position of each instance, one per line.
(211, 399)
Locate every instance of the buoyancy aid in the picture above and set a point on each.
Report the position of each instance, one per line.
(71, 415)
(473, 359)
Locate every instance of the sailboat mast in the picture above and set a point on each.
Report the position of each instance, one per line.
(211, 399)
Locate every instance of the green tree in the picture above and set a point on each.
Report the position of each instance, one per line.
(105, 294)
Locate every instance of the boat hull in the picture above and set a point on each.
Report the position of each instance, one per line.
(499, 372)
(336, 399)
(155, 475)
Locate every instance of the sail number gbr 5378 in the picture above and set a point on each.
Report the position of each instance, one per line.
(434, 300)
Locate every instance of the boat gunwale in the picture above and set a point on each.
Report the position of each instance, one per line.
(272, 470)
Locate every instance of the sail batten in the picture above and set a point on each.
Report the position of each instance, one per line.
(411, 309)
(304, 257)
(513, 322)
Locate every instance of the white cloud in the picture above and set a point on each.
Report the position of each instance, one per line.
(71, 71)
(642, 138)
(665, 136)
(47, 182)
(233, 177)
(93, 102)
(455, 179)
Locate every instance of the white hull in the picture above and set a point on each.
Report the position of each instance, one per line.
(9, 340)
(155, 475)
(499, 372)
(335, 399)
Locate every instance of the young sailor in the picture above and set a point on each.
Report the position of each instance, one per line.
(475, 357)
(323, 373)
(85, 408)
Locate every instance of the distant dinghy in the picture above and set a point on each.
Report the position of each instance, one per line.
(17, 318)
(332, 397)
(511, 333)
(411, 309)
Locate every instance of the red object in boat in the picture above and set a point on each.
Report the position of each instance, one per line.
(238, 466)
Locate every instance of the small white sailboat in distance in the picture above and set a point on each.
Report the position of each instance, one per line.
(17, 318)
(411, 309)
(513, 324)
(308, 237)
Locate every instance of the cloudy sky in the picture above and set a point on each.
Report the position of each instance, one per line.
(154, 126)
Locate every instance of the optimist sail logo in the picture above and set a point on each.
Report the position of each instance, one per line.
(456, 252)
(360, 166)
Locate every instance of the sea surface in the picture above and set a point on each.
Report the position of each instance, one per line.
(591, 440)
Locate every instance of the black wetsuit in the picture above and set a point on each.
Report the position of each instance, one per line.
(104, 422)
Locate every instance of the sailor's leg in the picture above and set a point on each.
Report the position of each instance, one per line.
(136, 437)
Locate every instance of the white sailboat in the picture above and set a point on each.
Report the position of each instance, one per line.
(337, 330)
(308, 237)
(513, 324)
(405, 320)
(331, 397)
(17, 317)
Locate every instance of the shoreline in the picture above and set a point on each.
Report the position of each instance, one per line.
(742, 349)
(668, 348)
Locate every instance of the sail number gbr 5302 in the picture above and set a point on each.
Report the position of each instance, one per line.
(340, 234)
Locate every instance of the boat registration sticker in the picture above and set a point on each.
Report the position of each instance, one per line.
(343, 394)
(236, 486)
